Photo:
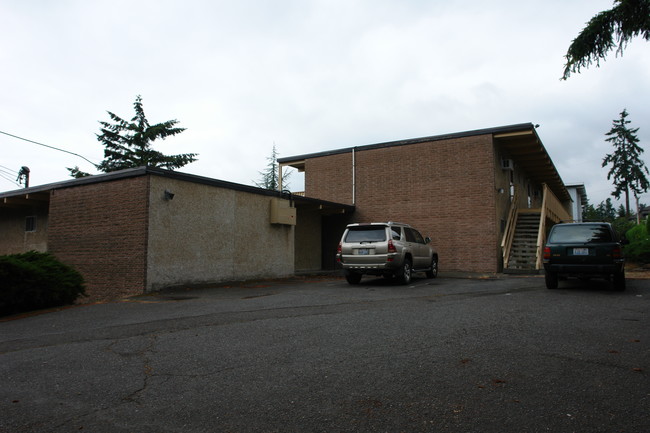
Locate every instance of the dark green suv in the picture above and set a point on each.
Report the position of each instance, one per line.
(584, 250)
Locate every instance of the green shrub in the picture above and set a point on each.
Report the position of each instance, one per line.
(622, 226)
(638, 250)
(637, 233)
(34, 280)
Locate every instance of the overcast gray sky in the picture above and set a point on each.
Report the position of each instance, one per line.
(309, 76)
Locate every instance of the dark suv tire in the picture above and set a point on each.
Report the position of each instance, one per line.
(433, 273)
(551, 280)
(406, 271)
(619, 281)
(353, 277)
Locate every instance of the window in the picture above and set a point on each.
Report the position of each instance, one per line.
(581, 234)
(30, 224)
(366, 234)
(418, 237)
(413, 235)
(396, 233)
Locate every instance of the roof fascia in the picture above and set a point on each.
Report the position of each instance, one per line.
(169, 174)
(486, 131)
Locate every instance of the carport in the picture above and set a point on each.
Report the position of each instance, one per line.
(319, 227)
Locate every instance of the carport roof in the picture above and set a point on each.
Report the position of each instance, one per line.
(41, 193)
(519, 141)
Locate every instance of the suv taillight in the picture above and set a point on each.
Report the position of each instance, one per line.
(338, 249)
(616, 253)
(547, 253)
(391, 247)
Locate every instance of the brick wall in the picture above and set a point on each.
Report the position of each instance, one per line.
(329, 178)
(444, 188)
(101, 230)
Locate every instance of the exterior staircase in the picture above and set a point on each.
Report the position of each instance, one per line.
(523, 253)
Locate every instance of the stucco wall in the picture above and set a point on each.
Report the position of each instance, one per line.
(208, 234)
(13, 237)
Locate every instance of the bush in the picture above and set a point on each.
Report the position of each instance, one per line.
(638, 250)
(34, 280)
(622, 226)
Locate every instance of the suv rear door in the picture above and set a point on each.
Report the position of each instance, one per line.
(363, 244)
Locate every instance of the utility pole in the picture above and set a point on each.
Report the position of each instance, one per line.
(23, 174)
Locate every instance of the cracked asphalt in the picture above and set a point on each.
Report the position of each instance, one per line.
(317, 355)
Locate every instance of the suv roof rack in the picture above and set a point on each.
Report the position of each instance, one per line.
(389, 223)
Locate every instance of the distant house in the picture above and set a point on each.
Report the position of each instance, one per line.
(137, 230)
(486, 197)
(578, 194)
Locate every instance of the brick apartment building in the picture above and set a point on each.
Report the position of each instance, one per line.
(468, 191)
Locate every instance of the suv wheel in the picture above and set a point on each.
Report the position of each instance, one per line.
(551, 280)
(619, 281)
(353, 277)
(405, 273)
(433, 273)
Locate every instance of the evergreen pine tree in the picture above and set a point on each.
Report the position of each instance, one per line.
(128, 144)
(613, 28)
(269, 177)
(628, 171)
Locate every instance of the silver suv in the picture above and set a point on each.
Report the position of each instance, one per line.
(391, 249)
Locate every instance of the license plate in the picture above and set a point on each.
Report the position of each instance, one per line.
(364, 251)
(581, 251)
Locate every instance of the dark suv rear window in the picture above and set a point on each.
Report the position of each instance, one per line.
(580, 234)
(366, 234)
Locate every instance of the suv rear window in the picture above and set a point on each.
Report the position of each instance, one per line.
(366, 234)
(580, 234)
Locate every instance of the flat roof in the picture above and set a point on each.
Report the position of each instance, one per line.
(41, 192)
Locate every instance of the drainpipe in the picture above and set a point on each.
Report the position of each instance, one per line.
(354, 183)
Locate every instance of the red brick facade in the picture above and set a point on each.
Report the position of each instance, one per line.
(101, 230)
(445, 188)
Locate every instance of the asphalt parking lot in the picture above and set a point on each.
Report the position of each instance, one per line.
(314, 354)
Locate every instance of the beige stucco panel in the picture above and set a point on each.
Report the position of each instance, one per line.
(309, 241)
(208, 234)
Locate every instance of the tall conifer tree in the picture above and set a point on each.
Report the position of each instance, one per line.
(628, 171)
(270, 176)
(128, 144)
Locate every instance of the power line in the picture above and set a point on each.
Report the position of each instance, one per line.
(9, 170)
(2, 175)
(8, 173)
(51, 147)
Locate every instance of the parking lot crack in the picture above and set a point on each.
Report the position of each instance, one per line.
(144, 355)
